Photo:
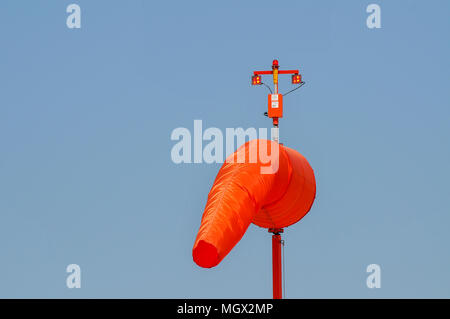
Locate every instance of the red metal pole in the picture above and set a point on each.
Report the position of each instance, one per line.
(276, 264)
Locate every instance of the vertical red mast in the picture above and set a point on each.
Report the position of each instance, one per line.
(276, 263)
(276, 238)
(275, 112)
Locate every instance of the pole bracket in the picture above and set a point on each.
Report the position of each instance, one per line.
(276, 231)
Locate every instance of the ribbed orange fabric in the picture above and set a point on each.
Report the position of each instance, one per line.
(242, 194)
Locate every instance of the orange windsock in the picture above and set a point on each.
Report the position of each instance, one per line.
(263, 182)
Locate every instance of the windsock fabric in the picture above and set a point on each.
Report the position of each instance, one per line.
(243, 192)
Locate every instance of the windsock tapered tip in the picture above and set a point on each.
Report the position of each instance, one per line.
(205, 255)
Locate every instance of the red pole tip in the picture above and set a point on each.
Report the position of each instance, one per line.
(275, 64)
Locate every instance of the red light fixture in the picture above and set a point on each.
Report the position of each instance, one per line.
(275, 64)
(296, 78)
(256, 80)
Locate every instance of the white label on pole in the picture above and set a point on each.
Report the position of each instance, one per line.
(274, 97)
(274, 105)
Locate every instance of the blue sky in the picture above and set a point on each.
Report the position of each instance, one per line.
(86, 116)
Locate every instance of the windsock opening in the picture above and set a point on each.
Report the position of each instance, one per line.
(245, 193)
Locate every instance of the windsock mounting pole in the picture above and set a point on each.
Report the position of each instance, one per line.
(276, 263)
(275, 112)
